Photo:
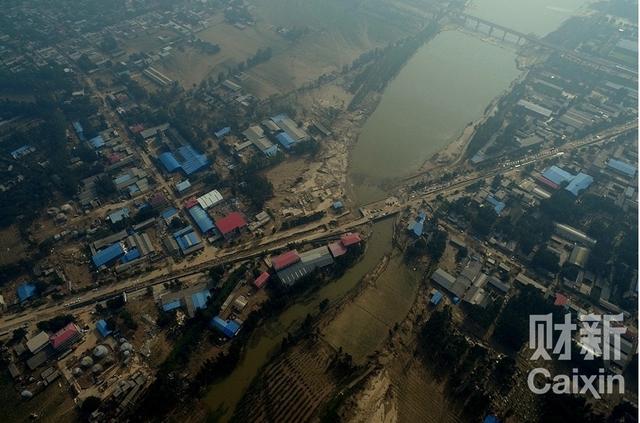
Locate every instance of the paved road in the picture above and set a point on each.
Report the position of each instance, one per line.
(307, 233)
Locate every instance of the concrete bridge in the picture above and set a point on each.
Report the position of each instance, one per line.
(475, 23)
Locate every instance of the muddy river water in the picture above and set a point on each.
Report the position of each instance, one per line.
(445, 85)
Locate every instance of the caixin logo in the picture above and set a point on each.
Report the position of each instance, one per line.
(598, 336)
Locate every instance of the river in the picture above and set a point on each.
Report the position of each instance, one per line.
(445, 85)
(267, 339)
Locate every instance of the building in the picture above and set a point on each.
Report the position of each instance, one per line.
(65, 337)
(97, 142)
(622, 168)
(261, 280)
(79, 130)
(294, 133)
(572, 234)
(22, 151)
(210, 199)
(26, 291)
(416, 226)
(202, 219)
(579, 256)
(443, 278)
(228, 328)
(239, 303)
(534, 108)
(285, 260)
(38, 342)
(498, 285)
(103, 328)
(256, 136)
(183, 186)
(108, 255)
(579, 183)
(188, 241)
(231, 224)
(309, 261)
(190, 299)
(337, 249)
(557, 175)
(436, 297)
(498, 206)
(455, 286)
(118, 215)
(285, 140)
(185, 159)
(350, 238)
(221, 133)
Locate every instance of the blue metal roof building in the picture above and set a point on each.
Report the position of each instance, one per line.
(202, 219)
(103, 328)
(168, 213)
(557, 175)
(417, 226)
(222, 132)
(192, 161)
(581, 182)
(131, 255)
(187, 240)
(26, 290)
(108, 255)
(97, 142)
(622, 167)
(183, 186)
(199, 299)
(169, 162)
(498, 206)
(172, 305)
(22, 151)
(285, 140)
(436, 298)
(118, 215)
(228, 328)
(79, 130)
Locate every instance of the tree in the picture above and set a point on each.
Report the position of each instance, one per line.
(89, 405)
(545, 259)
(461, 254)
(512, 327)
(437, 244)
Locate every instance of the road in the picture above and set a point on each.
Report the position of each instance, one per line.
(312, 232)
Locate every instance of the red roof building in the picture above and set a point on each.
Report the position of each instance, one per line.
(285, 260)
(560, 300)
(190, 203)
(65, 337)
(114, 158)
(136, 128)
(350, 238)
(545, 181)
(230, 223)
(337, 249)
(261, 280)
(158, 199)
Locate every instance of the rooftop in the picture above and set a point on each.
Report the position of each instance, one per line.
(230, 223)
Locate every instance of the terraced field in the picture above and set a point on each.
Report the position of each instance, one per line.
(420, 398)
(292, 388)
